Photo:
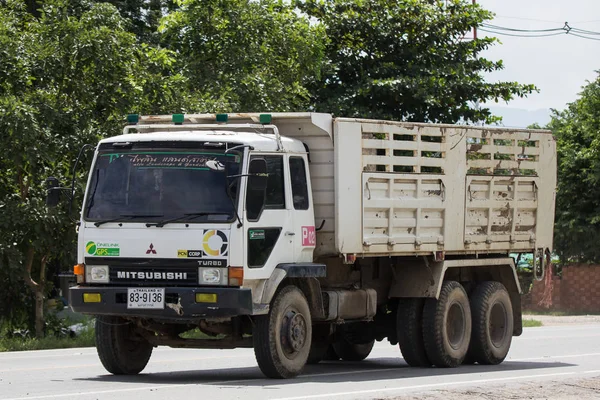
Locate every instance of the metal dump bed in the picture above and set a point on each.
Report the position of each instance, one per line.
(408, 188)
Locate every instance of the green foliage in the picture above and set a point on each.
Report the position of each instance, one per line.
(577, 130)
(405, 60)
(243, 55)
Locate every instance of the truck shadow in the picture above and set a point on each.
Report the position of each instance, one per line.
(374, 369)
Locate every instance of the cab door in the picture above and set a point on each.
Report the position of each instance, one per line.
(303, 232)
(267, 233)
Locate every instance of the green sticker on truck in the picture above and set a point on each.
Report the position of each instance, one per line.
(102, 249)
(257, 234)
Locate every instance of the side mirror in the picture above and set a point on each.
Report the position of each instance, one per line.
(257, 175)
(53, 192)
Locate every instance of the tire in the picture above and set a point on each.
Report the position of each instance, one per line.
(447, 326)
(318, 349)
(409, 325)
(493, 323)
(120, 349)
(330, 354)
(320, 344)
(351, 351)
(282, 338)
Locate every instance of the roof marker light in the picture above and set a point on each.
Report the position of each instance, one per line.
(133, 118)
(177, 119)
(222, 117)
(265, 118)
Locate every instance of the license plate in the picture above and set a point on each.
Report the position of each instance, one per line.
(146, 298)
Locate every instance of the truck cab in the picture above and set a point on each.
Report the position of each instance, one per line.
(183, 209)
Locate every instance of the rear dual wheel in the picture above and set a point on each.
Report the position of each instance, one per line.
(435, 331)
(447, 326)
(453, 329)
(492, 323)
(409, 326)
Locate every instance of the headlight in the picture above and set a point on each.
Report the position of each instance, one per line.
(96, 273)
(212, 276)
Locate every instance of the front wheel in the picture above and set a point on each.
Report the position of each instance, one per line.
(120, 349)
(282, 338)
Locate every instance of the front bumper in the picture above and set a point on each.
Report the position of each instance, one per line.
(180, 303)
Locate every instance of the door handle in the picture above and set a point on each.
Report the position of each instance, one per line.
(290, 233)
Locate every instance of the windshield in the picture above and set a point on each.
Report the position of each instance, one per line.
(153, 185)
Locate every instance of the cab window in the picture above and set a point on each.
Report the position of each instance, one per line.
(299, 185)
(275, 194)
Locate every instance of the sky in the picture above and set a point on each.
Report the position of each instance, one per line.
(559, 65)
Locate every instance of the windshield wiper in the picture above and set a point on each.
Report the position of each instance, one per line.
(125, 216)
(186, 216)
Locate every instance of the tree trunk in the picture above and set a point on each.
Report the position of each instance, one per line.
(38, 289)
(39, 312)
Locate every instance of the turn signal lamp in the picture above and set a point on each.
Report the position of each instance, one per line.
(222, 117)
(265, 118)
(236, 276)
(133, 118)
(92, 298)
(79, 271)
(177, 119)
(206, 298)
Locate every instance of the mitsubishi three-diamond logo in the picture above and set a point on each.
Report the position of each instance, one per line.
(151, 249)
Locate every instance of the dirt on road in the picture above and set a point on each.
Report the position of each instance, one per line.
(554, 390)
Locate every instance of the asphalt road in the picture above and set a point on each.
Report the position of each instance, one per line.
(545, 354)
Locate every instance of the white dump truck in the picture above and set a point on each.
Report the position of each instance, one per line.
(309, 237)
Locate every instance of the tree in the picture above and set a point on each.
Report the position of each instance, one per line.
(244, 55)
(577, 130)
(66, 78)
(405, 60)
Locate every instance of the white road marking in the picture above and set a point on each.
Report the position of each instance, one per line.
(434, 385)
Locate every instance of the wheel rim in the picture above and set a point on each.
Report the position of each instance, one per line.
(455, 325)
(293, 332)
(497, 324)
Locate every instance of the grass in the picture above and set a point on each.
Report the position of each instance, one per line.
(84, 339)
(531, 323)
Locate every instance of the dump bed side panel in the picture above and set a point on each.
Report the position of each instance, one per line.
(425, 188)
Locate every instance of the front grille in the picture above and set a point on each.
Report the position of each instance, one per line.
(153, 276)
